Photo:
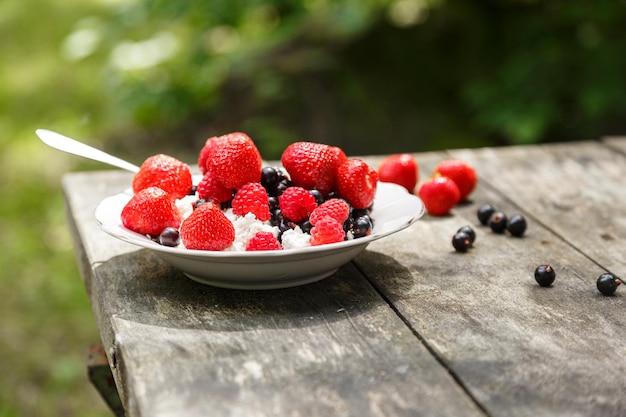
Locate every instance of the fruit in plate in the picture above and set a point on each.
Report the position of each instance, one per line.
(233, 160)
(263, 241)
(252, 198)
(296, 204)
(327, 230)
(167, 173)
(311, 165)
(463, 175)
(356, 183)
(210, 144)
(210, 190)
(150, 211)
(401, 169)
(439, 195)
(207, 228)
(337, 208)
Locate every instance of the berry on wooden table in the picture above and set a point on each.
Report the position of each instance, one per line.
(545, 275)
(484, 212)
(469, 231)
(498, 222)
(607, 283)
(401, 169)
(461, 241)
(516, 225)
(439, 195)
(461, 173)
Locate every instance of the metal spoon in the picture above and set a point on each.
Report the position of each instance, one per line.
(63, 143)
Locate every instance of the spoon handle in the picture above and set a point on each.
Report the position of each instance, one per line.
(65, 144)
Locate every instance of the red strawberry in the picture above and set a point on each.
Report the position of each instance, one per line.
(311, 165)
(327, 230)
(439, 195)
(357, 182)
(337, 208)
(209, 189)
(210, 144)
(207, 228)
(263, 241)
(234, 161)
(252, 198)
(165, 172)
(463, 175)
(399, 169)
(296, 204)
(150, 211)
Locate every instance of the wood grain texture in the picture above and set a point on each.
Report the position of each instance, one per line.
(520, 349)
(180, 348)
(410, 328)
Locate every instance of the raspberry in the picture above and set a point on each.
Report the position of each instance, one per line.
(356, 182)
(150, 211)
(463, 175)
(296, 204)
(234, 161)
(252, 198)
(439, 195)
(210, 190)
(401, 169)
(311, 165)
(336, 208)
(327, 230)
(207, 228)
(165, 172)
(263, 241)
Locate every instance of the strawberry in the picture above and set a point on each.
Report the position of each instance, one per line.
(209, 189)
(165, 172)
(207, 228)
(311, 165)
(210, 144)
(234, 160)
(296, 203)
(439, 195)
(336, 208)
(401, 169)
(252, 198)
(263, 241)
(356, 182)
(327, 230)
(463, 175)
(149, 211)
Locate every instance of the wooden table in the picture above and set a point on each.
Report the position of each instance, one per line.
(410, 328)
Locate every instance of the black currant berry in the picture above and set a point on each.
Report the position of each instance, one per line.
(319, 198)
(461, 241)
(516, 225)
(306, 226)
(497, 222)
(469, 231)
(484, 213)
(170, 236)
(545, 275)
(607, 283)
(362, 226)
(269, 178)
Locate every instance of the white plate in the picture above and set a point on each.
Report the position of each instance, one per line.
(394, 209)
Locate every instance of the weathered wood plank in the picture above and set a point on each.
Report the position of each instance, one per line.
(179, 348)
(520, 349)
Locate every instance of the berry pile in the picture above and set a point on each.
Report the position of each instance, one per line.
(499, 222)
(319, 195)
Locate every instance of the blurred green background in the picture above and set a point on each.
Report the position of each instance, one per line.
(137, 77)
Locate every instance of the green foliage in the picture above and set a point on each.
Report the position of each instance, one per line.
(371, 76)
